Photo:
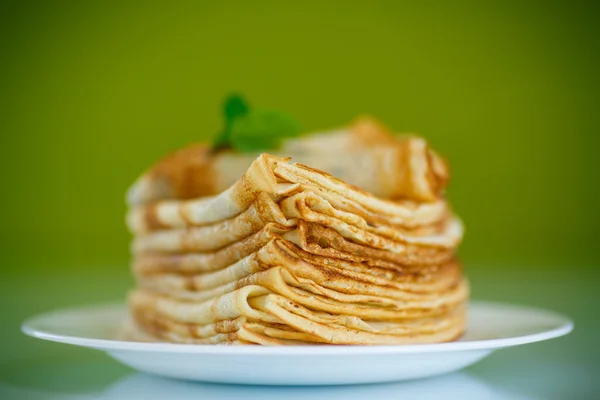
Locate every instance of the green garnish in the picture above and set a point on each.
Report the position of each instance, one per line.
(250, 130)
(234, 107)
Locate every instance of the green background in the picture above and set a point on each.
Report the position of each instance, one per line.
(92, 93)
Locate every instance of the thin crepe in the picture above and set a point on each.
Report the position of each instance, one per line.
(279, 179)
(259, 304)
(312, 238)
(318, 297)
(365, 155)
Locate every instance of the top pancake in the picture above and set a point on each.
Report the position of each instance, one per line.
(281, 180)
(366, 155)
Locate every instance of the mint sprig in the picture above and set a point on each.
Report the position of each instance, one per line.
(234, 107)
(249, 130)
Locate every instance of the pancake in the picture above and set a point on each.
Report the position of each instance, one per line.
(331, 273)
(378, 306)
(276, 254)
(327, 242)
(277, 178)
(259, 304)
(152, 262)
(366, 154)
(288, 254)
(314, 239)
(215, 236)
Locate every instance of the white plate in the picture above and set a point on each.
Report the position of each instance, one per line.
(491, 327)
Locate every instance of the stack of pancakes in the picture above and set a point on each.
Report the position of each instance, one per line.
(292, 255)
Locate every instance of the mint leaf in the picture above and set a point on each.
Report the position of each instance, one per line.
(234, 107)
(262, 130)
(249, 130)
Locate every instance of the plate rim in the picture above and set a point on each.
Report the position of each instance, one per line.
(565, 326)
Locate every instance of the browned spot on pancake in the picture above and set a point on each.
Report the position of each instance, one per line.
(191, 330)
(225, 326)
(323, 243)
(189, 283)
(189, 171)
(243, 282)
(370, 131)
(311, 169)
(221, 326)
(151, 219)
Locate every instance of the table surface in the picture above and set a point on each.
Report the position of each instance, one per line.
(564, 368)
